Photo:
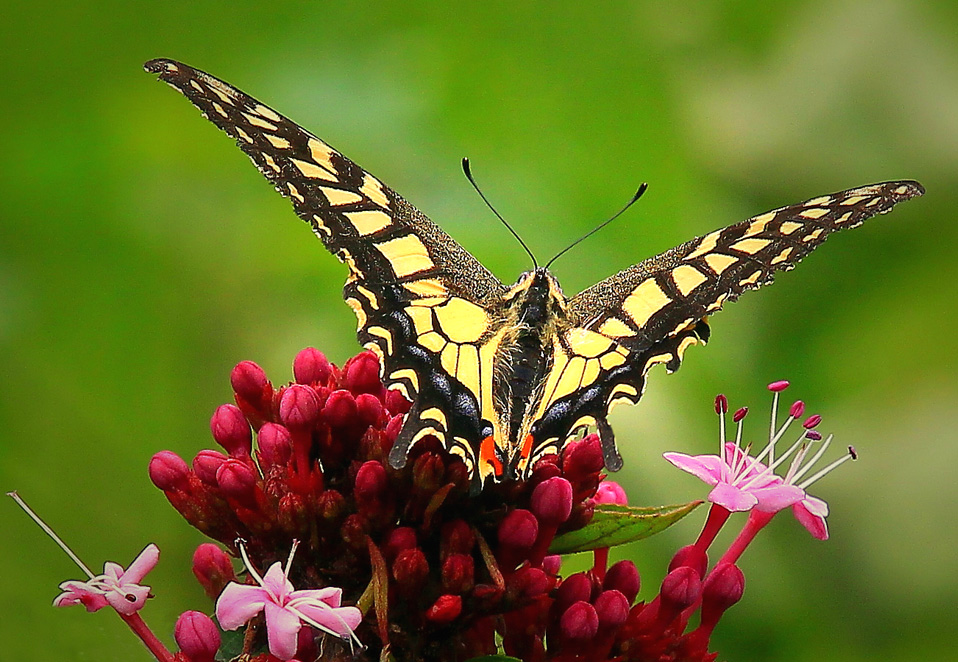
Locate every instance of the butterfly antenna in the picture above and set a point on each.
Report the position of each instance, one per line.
(468, 170)
(638, 194)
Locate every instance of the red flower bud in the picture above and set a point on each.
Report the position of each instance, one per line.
(197, 636)
(611, 492)
(797, 409)
(330, 506)
(206, 464)
(456, 537)
(231, 430)
(445, 610)
(274, 445)
(552, 501)
(575, 588)
(362, 374)
(400, 538)
(612, 608)
(690, 556)
(369, 410)
(518, 530)
(340, 409)
(311, 367)
(235, 479)
(551, 564)
(397, 403)
(681, 588)
(778, 387)
(428, 471)
(410, 570)
(249, 383)
(528, 583)
(812, 421)
(212, 568)
(299, 406)
(624, 578)
(724, 586)
(354, 530)
(458, 573)
(579, 623)
(168, 471)
(370, 484)
(581, 458)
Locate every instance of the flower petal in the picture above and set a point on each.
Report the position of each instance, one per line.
(777, 497)
(340, 620)
(275, 582)
(128, 598)
(731, 498)
(80, 593)
(142, 564)
(704, 467)
(811, 513)
(331, 595)
(238, 603)
(282, 626)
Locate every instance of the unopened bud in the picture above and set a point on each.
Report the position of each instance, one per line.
(249, 383)
(231, 430)
(212, 568)
(274, 445)
(299, 407)
(168, 471)
(206, 464)
(611, 492)
(197, 636)
(458, 573)
(681, 588)
(552, 501)
(311, 367)
(445, 610)
(724, 586)
(612, 608)
(518, 530)
(410, 570)
(340, 409)
(235, 479)
(624, 578)
(579, 623)
(362, 374)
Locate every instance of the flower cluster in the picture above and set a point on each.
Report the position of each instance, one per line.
(347, 557)
(436, 569)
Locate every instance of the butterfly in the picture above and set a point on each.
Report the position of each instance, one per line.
(501, 374)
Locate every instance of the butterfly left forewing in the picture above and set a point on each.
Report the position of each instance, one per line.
(423, 303)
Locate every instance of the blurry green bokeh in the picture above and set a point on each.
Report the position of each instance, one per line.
(141, 257)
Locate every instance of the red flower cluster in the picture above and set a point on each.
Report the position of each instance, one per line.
(438, 572)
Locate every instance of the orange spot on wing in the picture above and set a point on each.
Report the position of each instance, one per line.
(488, 455)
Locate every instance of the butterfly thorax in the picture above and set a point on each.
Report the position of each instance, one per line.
(535, 308)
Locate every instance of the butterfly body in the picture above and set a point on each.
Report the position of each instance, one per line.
(503, 375)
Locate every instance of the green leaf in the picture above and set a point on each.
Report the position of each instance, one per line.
(494, 658)
(616, 525)
(231, 644)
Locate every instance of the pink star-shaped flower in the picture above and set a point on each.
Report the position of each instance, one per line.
(116, 587)
(286, 609)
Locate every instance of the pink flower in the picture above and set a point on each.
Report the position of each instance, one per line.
(286, 609)
(116, 587)
(740, 482)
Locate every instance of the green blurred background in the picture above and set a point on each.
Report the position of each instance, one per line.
(141, 256)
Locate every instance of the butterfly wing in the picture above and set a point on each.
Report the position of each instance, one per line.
(423, 303)
(653, 311)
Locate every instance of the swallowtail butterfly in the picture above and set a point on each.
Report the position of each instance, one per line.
(505, 374)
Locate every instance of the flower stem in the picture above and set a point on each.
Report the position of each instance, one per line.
(142, 630)
(718, 515)
(756, 522)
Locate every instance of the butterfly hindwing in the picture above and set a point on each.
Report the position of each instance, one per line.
(421, 300)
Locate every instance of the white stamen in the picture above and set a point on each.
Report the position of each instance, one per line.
(249, 564)
(43, 525)
(289, 561)
(795, 476)
(831, 467)
(771, 430)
